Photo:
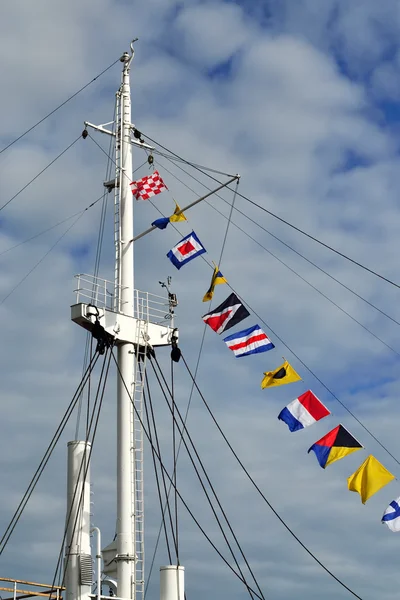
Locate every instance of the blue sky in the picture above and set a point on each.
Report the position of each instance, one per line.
(302, 99)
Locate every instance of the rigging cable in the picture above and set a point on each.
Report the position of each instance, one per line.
(168, 157)
(113, 161)
(198, 358)
(185, 430)
(318, 379)
(300, 360)
(40, 173)
(379, 275)
(158, 448)
(42, 259)
(175, 458)
(259, 490)
(348, 410)
(290, 268)
(271, 234)
(94, 420)
(89, 339)
(36, 476)
(147, 400)
(33, 237)
(171, 482)
(59, 106)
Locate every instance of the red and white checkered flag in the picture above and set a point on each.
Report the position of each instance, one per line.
(148, 186)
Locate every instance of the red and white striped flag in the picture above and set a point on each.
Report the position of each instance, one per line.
(149, 185)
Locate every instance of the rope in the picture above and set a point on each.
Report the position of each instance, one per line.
(89, 339)
(281, 219)
(175, 458)
(302, 362)
(96, 421)
(259, 490)
(58, 107)
(40, 173)
(181, 431)
(272, 235)
(158, 447)
(36, 476)
(171, 482)
(33, 237)
(41, 260)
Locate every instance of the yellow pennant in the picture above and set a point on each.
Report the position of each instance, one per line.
(178, 215)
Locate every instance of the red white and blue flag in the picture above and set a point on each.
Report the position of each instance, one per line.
(304, 411)
(226, 315)
(249, 341)
(186, 250)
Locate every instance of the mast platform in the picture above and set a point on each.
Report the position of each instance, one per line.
(98, 299)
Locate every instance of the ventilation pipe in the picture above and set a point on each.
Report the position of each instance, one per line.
(78, 558)
(172, 583)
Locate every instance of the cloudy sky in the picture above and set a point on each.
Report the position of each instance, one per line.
(302, 99)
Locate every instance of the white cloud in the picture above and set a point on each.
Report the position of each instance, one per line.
(313, 146)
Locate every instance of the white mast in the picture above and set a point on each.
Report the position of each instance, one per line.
(124, 254)
(135, 320)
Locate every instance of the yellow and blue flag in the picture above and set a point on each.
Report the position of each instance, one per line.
(216, 279)
(176, 217)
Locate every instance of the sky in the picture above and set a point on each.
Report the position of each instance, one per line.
(301, 98)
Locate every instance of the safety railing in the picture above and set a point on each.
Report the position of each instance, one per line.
(17, 589)
(106, 294)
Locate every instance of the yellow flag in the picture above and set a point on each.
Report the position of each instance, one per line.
(283, 374)
(369, 478)
(216, 279)
(175, 218)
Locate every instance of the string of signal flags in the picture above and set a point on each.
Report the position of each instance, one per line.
(305, 410)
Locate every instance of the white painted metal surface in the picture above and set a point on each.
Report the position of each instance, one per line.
(136, 320)
(98, 560)
(78, 519)
(172, 583)
(125, 454)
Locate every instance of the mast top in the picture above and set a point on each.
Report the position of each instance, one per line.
(126, 57)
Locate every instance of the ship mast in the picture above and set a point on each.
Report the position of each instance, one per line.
(124, 272)
(136, 322)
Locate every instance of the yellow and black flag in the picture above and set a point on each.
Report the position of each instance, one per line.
(216, 279)
(283, 374)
